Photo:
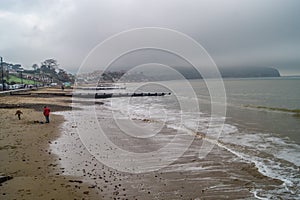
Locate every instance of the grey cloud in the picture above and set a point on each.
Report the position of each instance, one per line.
(234, 32)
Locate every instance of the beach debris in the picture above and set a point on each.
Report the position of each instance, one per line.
(146, 120)
(5, 178)
(75, 181)
(38, 122)
(86, 192)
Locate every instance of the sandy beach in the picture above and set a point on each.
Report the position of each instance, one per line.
(25, 154)
(73, 173)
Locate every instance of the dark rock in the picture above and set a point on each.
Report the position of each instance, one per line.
(5, 178)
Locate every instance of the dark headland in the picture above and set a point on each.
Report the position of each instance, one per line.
(233, 72)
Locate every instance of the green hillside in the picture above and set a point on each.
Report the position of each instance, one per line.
(14, 79)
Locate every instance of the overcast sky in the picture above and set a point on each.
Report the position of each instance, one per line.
(234, 32)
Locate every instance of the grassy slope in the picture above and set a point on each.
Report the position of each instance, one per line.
(15, 79)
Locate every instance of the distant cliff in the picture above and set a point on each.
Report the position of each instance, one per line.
(243, 72)
(233, 72)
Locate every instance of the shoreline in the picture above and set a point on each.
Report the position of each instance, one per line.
(216, 176)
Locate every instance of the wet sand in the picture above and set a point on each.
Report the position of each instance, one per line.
(48, 161)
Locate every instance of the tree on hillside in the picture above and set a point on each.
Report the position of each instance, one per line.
(63, 76)
(35, 67)
(50, 68)
(49, 65)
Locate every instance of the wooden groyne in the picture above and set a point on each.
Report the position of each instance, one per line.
(102, 88)
(96, 95)
(112, 95)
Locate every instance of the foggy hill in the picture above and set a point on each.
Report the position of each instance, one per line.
(238, 72)
(233, 72)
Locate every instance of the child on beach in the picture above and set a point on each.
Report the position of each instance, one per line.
(19, 113)
(46, 113)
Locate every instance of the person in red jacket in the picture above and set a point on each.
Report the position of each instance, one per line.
(46, 113)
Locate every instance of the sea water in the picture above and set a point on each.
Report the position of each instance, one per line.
(262, 123)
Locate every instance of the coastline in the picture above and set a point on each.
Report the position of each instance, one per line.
(71, 173)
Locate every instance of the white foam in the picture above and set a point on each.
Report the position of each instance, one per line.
(289, 175)
(255, 194)
(281, 148)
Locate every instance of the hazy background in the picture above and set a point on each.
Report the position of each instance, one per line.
(234, 32)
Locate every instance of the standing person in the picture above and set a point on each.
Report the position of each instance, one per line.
(46, 113)
(19, 113)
